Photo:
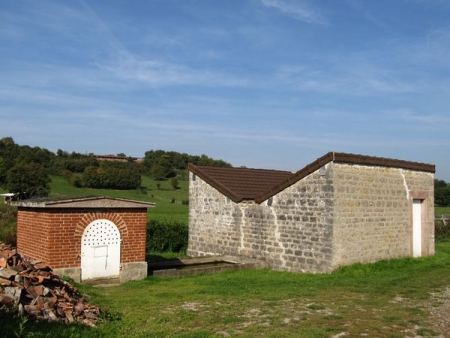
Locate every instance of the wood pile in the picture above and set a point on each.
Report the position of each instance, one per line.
(31, 288)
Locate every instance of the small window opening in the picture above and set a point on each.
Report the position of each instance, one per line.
(193, 177)
(270, 201)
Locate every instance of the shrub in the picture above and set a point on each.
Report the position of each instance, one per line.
(8, 224)
(167, 236)
(442, 231)
(174, 183)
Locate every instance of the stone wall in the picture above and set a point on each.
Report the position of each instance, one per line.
(292, 231)
(338, 215)
(373, 212)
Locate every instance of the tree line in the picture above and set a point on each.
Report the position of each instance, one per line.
(26, 170)
(441, 193)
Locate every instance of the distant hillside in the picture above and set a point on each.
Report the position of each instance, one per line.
(26, 170)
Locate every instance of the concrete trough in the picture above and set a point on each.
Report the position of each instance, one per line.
(201, 265)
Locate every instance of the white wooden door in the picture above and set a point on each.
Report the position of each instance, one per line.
(417, 228)
(100, 250)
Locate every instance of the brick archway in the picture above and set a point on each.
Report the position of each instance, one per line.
(111, 216)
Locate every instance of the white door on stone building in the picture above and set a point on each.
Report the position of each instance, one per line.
(417, 228)
(100, 250)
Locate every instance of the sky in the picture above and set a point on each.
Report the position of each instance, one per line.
(271, 84)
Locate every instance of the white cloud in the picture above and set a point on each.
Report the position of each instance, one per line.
(355, 78)
(160, 73)
(297, 10)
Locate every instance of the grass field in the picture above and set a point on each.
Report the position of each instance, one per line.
(395, 298)
(442, 210)
(168, 201)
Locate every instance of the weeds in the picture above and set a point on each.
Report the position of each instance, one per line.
(20, 332)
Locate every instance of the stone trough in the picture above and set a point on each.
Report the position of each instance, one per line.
(200, 265)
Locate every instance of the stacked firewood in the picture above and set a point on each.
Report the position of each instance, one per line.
(31, 288)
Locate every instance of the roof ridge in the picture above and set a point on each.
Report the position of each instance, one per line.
(263, 188)
(308, 169)
(243, 168)
(350, 159)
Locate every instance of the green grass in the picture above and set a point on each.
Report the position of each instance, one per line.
(442, 211)
(384, 299)
(164, 196)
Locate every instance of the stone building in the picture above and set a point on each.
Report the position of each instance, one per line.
(87, 239)
(339, 210)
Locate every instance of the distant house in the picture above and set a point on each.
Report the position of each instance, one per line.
(8, 197)
(340, 209)
(115, 158)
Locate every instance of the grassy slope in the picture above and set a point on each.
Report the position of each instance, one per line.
(164, 209)
(385, 299)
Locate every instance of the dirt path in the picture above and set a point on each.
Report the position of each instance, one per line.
(439, 309)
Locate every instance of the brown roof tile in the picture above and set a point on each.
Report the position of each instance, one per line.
(240, 183)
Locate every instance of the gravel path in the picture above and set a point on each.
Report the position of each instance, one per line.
(439, 308)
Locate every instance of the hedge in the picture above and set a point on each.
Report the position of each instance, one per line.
(163, 236)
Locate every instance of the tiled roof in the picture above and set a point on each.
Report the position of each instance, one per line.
(240, 183)
(258, 184)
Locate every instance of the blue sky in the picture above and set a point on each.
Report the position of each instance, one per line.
(263, 83)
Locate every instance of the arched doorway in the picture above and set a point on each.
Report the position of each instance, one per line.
(100, 250)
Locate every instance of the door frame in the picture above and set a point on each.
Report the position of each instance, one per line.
(89, 252)
(423, 196)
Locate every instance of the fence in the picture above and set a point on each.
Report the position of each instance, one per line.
(445, 219)
(442, 228)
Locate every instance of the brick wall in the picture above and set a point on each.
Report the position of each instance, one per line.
(54, 235)
(33, 230)
(338, 215)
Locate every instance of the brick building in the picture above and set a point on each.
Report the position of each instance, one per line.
(340, 209)
(86, 238)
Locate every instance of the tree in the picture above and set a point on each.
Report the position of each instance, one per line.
(9, 152)
(174, 183)
(150, 159)
(62, 153)
(162, 165)
(439, 184)
(441, 193)
(163, 168)
(442, 197)
(112, 175)
(28, 180)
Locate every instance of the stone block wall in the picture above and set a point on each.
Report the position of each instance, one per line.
(292, 231)
(338, 215)
(373, 212)
(214, 221)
